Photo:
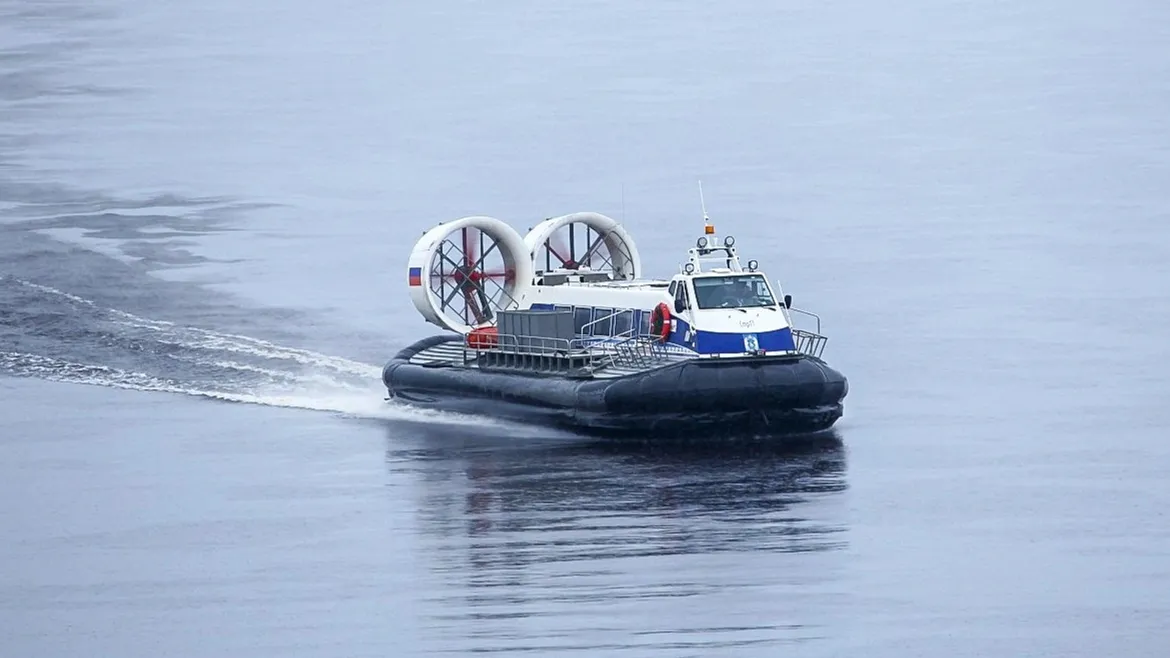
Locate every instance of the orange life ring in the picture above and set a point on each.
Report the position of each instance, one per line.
(660, 321)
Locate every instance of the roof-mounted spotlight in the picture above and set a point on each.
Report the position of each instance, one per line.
(689, 268)
(729, 241)
(753, 265)
(702, 242)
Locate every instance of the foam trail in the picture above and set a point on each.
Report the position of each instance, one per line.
(160, 356)
(349, 401)
(204, 338)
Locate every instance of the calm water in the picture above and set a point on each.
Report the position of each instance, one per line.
(205, 211)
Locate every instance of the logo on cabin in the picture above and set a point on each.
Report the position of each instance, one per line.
(751, 343)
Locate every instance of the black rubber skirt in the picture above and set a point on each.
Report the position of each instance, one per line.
(756, 395)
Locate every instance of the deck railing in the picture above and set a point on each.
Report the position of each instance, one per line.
(544, 354)
(633, 351)
(633, 348)
(808, 342)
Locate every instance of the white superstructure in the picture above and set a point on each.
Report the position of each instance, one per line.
(461, 273)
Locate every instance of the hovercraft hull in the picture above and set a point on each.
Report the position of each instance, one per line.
(728, 396)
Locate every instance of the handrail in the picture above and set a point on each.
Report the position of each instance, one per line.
(810, 314)
(634, 350)
(808, 342)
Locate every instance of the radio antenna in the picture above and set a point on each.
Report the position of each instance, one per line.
(703, 204)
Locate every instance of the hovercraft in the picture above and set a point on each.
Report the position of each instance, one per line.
(560, 327)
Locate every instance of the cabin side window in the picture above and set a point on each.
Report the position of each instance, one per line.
(602, 322)
(622, 322)
(673, 285)
(581, 317)
(680, 297)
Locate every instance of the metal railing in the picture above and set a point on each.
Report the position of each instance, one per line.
(633, 348)
(808, 342)
(634, 351)
(808, 314)
(559, 355)
(529, 353)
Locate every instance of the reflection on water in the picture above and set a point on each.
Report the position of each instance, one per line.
(529, 541)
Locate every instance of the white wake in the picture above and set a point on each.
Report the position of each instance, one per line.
(264, 373)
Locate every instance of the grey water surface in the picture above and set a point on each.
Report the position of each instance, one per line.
(205, 214)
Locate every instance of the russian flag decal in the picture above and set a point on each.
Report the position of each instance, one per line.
(416, 276)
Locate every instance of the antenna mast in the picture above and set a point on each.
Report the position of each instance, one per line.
(707, 228)
(703, 204)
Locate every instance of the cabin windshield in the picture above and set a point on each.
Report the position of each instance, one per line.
(740, 291)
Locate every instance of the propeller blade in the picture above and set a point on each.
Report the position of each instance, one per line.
(557, 246)
(471, 238)
(588, 257)
(471, 304)
(478, 267)
(556, 252)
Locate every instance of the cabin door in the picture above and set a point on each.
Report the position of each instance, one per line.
(684, 332)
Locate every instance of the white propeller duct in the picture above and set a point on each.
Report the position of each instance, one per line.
(583, 240)
(462, 272)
